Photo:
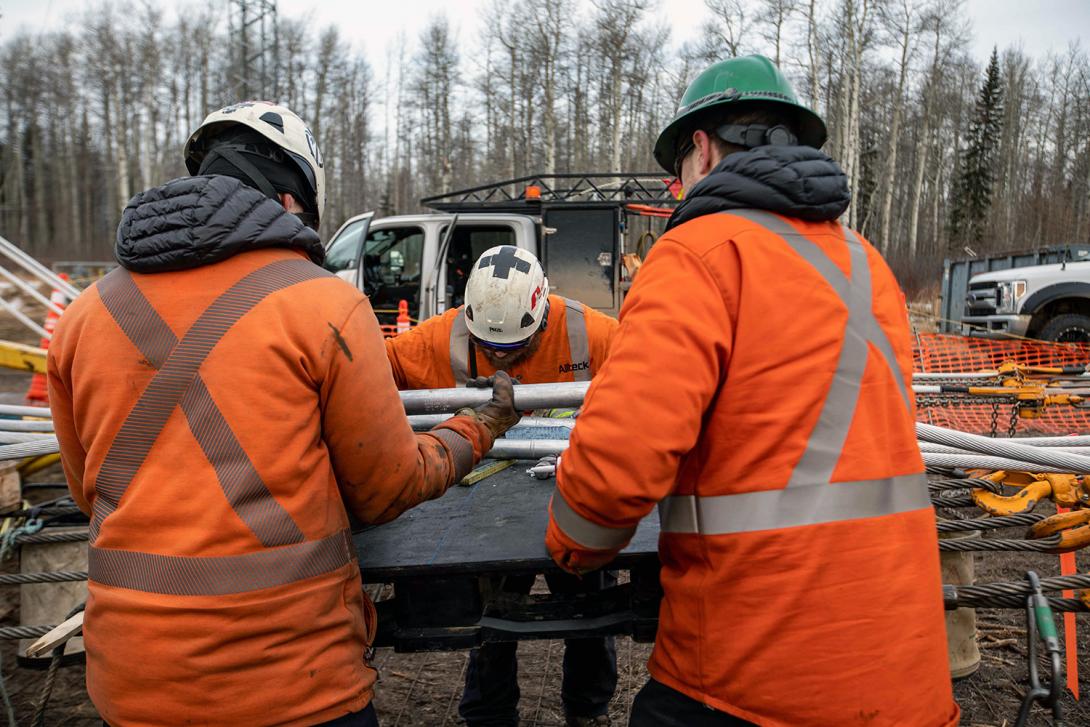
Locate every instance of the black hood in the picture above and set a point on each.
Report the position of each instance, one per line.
(795, 181)
(195, 221)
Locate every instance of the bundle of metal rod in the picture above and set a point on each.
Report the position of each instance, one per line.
(1039, 456)
(424, 422)
(45, 445)
(527, 397)
(943, 449)
(985, 462)
(17, 437)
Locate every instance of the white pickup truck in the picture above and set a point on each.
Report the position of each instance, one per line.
(579, 226)
(1049, 302)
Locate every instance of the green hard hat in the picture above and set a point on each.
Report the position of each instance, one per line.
(737, 81)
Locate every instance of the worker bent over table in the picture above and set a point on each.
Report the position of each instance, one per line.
(510, 322)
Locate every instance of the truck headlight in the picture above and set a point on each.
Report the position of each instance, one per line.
(1008, 295)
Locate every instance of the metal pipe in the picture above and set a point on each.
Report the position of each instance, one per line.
(424, 422)
(12, 251)
(527, 397)
(24, 319)
(41, 412)
(1074, 463)
(526, 448)
(30, 290)
(21, 425)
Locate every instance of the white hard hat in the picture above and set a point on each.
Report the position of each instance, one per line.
(280, 126)
(506, 296)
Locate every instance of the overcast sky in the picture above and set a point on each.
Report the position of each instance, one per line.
(1038, 25)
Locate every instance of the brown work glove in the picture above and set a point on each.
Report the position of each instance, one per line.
(498, 413)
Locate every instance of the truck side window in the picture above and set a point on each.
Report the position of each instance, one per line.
(469, 243)
(391, 269)
(345, 250)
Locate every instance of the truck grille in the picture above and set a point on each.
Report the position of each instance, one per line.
(982, 299)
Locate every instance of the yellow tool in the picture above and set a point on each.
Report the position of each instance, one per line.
(485, 471)
(30, 465)
(1063, 489)
(24, 358)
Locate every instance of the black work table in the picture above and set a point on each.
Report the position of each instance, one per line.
(436, 553)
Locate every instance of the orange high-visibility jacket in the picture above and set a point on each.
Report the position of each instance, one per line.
(436, 354)
(768, 362)
(211, 421)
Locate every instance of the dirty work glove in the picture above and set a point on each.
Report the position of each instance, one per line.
(498, 413)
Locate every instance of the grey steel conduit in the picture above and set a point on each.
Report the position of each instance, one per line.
(527, 397)
(41, 412)
(21, 425)
(424, 422)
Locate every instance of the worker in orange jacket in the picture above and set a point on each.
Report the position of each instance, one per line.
(220, 400)
(768, 346)
(510, 321)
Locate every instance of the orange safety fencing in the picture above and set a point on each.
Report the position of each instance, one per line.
(940, 353)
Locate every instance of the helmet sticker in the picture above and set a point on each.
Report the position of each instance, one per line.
(235, 107)
(313, 144)
(504, 261)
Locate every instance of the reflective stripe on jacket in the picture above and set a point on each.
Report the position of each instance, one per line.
(798, 548)
(436, 354)
(211, 421)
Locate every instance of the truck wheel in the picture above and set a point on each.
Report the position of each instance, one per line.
(1068, 328)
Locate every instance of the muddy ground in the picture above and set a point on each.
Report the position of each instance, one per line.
(423, 689)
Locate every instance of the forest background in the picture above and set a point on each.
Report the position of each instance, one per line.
(948, 154)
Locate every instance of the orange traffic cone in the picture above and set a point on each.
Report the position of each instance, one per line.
(404, 323)
(38, 393)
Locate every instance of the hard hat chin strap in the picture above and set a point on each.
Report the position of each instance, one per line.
(232, 156)
(752, 135)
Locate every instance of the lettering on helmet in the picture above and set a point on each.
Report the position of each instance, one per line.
(495, 330)
(569, 367)
(312, 143)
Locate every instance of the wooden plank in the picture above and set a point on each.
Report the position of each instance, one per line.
(60, 634)
(495, 526)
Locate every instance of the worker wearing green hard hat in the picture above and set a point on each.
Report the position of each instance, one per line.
(766, 506)
(738, 83)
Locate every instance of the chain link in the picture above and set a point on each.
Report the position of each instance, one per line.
(1012, 426)
(993, 431)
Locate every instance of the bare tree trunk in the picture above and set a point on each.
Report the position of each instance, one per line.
(906, 21)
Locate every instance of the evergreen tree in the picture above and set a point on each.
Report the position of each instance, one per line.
(976, 177)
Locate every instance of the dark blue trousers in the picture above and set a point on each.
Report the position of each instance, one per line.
(657, 705)
(491, 693)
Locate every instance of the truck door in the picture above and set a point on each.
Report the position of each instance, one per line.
(455, 261)
(389, 269)
(578, 250)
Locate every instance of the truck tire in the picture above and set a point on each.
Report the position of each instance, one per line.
(1068, 328)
